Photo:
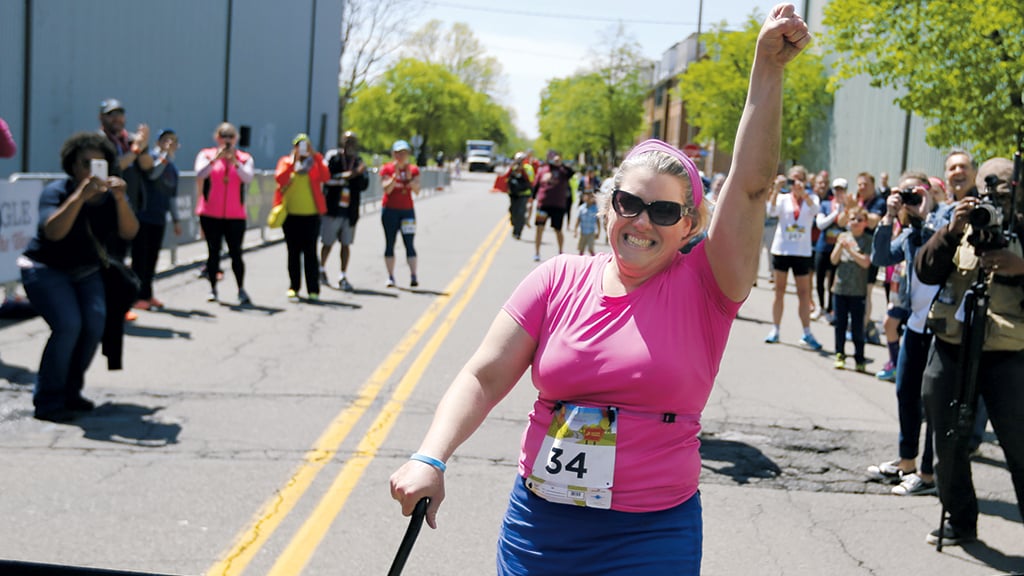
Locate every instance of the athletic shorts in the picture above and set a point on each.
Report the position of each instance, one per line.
(800, 265)
(336, 229)
(556, 215)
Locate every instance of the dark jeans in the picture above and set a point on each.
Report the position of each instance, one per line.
(392, 221)
(216, 231)
(909, 373)
(145, 252)
(1001, 384)
(517, 213)
(76, 311)
(824, 275)
(300, 235)
(850, 309)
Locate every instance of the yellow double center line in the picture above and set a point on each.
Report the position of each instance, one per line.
(273, 512)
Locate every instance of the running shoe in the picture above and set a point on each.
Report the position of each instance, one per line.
(391, 282)
(293, 296)
(414, 282)
(536, 257)
(323, 277)
(314, 296)
(772, 338)
(243, 298)
(862, 367)
(840, 362)
(808, 341)
(816, 314)
(887, 373)
(887, 472)
(344, 284)
(914, 485)
(950, 536)
(212, 296)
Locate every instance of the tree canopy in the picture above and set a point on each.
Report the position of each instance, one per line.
(959, 69)
(714, 90)
(459, 51)
(600, 111)
(418, 98)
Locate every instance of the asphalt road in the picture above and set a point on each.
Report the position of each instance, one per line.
(259, 440)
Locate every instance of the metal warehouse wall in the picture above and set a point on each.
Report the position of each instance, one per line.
(865, 130)
(186, 65)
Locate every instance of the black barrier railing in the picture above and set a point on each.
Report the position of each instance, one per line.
(16, 568)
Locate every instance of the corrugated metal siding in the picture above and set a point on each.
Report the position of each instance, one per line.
(166, 62)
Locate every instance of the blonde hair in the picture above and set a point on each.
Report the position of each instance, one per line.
(659, 163)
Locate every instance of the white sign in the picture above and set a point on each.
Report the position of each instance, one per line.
(19, 218)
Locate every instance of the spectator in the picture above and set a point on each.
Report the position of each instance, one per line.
(520, 192)
(851, 256)
(133, 163)
(827, 220)
(221, 175)
(344, 199)
(791, 250)
(7, 146)
(156, 201)
(587, 228)
(922, 220)
(625, 346)
(79, 218)
(551, 199)
(300, 177)
(950, 259)
(400, 180)
(874, 203)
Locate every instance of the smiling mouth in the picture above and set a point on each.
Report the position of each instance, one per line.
(637, 242)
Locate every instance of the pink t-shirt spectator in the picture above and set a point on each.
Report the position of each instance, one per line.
(7, 146)
(653, 354)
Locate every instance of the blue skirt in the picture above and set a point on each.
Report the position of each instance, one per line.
(541, 537)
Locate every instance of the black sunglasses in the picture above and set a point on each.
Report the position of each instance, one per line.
(661, 212)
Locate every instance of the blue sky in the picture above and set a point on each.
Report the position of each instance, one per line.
(536, 40)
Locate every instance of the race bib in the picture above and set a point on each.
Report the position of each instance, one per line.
(793, 233)
(408, 226)
(576, 462)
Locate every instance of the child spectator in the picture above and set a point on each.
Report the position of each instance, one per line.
(586, 223)
(851, 257)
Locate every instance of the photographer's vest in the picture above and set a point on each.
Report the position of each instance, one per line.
(1004, 326)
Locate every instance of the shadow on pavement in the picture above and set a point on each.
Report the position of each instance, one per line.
(183, 313)
(993, 558)
(267, 310)
(424, 291)
(368, 292)
(134, 329)
(128, 424)
(742, 461)
(1004, 510)
(331, 303)
(17, 374)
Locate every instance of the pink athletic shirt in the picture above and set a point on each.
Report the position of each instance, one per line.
(651, 353)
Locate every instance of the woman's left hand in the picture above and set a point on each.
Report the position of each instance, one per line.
(783, 36)
(117, 187)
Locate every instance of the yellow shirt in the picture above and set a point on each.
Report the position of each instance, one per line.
(298, 199)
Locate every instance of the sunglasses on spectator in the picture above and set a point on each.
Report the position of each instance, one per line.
(227, 136)
(661, 212)
(857, 219)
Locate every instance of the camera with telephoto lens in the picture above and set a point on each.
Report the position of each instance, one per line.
(909, 197)
(986, 220)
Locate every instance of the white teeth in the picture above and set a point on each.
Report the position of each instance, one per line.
(634, 241)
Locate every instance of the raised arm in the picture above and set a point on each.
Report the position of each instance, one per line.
(737, 226)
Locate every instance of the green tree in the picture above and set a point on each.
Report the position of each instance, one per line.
(459, 51)
(957, 68)
(371, 31)
(714, 90)
(598, 112)
(415, 97)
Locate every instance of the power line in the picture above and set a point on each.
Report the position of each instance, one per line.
(573, 17)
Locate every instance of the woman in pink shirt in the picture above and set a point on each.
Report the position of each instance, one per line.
(221, 175)
(623, 351)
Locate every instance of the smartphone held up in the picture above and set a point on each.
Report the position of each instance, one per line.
(98, 168)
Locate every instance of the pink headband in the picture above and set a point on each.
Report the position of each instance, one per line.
(652, 145)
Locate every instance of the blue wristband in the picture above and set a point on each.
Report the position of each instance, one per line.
(429, 460)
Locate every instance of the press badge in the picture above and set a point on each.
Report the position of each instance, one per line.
(576, 462)
(408, 226)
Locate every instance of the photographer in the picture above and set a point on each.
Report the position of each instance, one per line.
(954, 258)
(520, 192)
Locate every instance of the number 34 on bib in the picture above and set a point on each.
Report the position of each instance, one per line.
(576, 462)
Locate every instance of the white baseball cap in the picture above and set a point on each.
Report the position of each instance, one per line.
(840, 183)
